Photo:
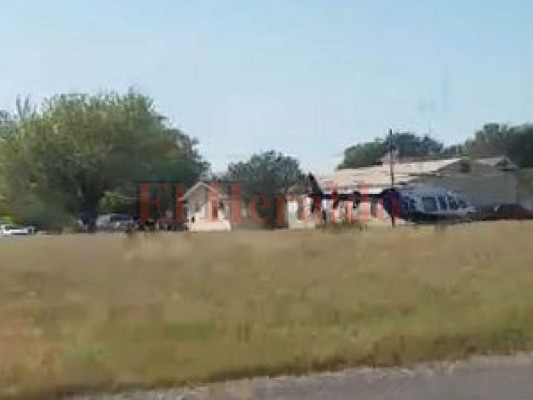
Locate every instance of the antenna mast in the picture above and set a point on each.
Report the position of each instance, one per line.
(391, 170)
(391, 159)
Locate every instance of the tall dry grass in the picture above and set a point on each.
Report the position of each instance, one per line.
(105, 312)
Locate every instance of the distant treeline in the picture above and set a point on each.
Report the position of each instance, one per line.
(493, 139)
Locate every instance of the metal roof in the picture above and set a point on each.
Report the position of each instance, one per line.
(379, 175)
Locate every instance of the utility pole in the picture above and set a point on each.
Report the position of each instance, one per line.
(392, 181)
(391, 159)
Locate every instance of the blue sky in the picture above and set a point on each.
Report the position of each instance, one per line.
(308, 78)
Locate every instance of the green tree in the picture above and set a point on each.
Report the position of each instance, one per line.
(268, 174)
(7, 127)
(363, 154)
(494, 139)
(76, 148)
(406, 144)
(455, 150)
(522, 149)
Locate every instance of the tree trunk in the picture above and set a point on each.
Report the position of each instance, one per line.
(89, 214)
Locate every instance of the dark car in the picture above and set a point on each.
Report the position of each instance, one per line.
(506, 212)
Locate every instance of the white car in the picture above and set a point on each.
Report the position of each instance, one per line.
(13, 230)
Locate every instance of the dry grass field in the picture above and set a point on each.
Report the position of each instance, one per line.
(106, 312)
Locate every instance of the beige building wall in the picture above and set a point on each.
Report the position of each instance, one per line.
(481, 191)
(200, 218)
(298, 212)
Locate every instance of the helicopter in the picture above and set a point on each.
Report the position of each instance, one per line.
(416, 203)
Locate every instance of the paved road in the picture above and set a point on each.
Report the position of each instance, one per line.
(489, 378)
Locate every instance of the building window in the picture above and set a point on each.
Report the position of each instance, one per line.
(430, 204)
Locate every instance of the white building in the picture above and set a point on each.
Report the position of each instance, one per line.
(205, 209)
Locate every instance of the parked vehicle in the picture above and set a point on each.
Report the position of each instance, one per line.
(505, 212)
(14, 230)
(114, 222)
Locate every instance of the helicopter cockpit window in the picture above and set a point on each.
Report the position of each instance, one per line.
(407, 203)
(430, 204)
(462, 203)
(453, 203)
(442, 203)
